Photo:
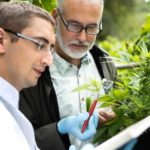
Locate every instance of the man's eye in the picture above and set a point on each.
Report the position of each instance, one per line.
(41, 46)
(92, 28)
(75, 26)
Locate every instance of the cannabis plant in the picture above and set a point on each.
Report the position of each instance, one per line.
(130, 100)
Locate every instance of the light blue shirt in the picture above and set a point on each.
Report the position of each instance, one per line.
(66, 77)
(16, 132)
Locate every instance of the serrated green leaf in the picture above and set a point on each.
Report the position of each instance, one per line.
(88, 103)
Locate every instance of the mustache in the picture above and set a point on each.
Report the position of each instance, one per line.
(79, 43)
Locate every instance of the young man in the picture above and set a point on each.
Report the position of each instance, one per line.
(25, 51)
(22, 61)
(75, 62)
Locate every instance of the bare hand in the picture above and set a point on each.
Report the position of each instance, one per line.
(105, 117)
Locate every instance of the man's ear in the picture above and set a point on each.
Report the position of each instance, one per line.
(1, 40)
(1, 35)
(54, 14)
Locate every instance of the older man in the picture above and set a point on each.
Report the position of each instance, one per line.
(75, 62)
(25, 51)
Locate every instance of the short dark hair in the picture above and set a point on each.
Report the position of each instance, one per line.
(16, 16)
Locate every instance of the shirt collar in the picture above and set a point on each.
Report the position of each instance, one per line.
(62, 65)
(9, 93)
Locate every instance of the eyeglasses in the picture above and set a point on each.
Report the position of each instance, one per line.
(41, 46)
(77, 28)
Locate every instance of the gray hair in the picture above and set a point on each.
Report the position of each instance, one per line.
(60, 3)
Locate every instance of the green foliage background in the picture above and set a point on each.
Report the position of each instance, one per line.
(130, 101)
(126, 36)
(122, 19)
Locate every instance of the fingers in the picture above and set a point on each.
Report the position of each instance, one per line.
(130, 145)
(83, 116)
(95, 115)
(77, 123)
(72, 147)
(88, 147)
(102, 120)
(90, 130)
(91, 126)
(88, 133)
(105, 117)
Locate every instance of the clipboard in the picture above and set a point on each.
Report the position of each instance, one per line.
(132, 132)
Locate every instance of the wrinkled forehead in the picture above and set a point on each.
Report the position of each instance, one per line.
(85, 5)
(62, 2)
(83, 9)
(67, 3)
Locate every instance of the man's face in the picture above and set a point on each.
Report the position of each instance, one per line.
(25, 61)
(76, 45)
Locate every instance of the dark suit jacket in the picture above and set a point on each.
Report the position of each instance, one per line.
(39, 104)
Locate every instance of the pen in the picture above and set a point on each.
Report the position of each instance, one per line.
(90, 114)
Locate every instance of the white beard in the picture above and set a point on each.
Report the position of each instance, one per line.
(70, 52)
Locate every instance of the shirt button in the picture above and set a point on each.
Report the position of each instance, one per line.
(82, 99)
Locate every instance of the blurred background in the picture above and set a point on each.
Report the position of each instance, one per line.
(126, 37)
(121, 19)
(126, 25)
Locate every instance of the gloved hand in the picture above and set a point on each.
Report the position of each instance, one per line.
(72, 147)
(86, 147)
(129, 146)
(73, 124)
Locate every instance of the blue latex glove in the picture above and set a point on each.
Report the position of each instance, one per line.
(86, 147)
(73, 124)
(129, 146)
(95, 117)
(72, 147)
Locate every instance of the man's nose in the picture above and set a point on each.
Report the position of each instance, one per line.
(82, 35)
(47, 59)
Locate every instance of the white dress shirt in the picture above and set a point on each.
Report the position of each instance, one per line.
(66, 77)
(16, 132)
